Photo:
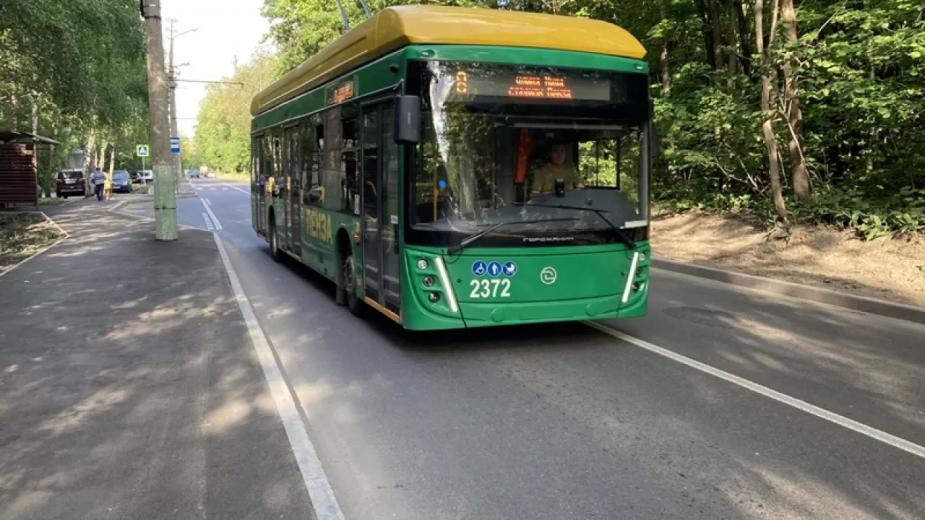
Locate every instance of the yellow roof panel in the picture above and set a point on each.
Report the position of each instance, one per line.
(395, 27)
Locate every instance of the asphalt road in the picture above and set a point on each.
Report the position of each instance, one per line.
(565, 421)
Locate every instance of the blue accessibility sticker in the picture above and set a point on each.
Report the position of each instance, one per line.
(479, 268)
(510, 269)
(494, 268)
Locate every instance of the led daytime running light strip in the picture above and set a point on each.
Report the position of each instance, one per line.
(445, 281)
(630, 277)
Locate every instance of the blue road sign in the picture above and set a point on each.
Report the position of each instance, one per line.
(142, 150)
(510, 269)
(494, 268)
(479, 268)
(174, 145)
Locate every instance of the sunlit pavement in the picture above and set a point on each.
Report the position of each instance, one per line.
(128, 388)
(563, 421)
(556, 421)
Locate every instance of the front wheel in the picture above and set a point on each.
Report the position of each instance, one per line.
(348, 272)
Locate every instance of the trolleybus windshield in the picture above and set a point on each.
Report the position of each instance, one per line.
(531, 147)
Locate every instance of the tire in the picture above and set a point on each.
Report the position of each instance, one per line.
(275, 253)
(353, 302)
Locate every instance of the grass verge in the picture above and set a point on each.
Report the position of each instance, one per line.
(22, 235)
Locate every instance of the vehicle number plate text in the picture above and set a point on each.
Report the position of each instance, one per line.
(498, 288)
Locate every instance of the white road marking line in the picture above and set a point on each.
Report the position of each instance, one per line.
(799, 404)
(209, 202)
(224, 188)
(215, 221)
(239, 189)
(316, 481)
(209, 225)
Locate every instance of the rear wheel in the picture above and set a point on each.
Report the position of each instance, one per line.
(274, 242)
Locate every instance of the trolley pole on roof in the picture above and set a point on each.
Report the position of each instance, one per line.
(343, 15)
(165, 179)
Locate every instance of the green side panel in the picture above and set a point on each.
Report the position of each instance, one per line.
(387, 72)
(550, 284)
(320, 228)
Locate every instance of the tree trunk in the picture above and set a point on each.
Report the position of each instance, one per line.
(713, 10)
(665, 71)
(767, 123)
(731, 39)
(708, 42)
(744, 45)
(798, 172)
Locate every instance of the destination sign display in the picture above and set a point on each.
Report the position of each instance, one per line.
(558, 85)
(340, 93)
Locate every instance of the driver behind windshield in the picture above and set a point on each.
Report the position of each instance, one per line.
(557, 167)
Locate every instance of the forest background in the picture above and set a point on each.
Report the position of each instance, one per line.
(788, 111)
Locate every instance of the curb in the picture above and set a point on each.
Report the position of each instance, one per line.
(794, 290)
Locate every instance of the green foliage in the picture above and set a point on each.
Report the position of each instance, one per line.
(81, 65)
(222, 139)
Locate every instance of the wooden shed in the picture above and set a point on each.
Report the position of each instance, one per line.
(18, 182)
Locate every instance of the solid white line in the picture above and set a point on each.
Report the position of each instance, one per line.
(37, 253)
(316, 482)
(209, 225)
(209, 202)
(215, 221)
(239, 189)
(61, 229)
(799, 404)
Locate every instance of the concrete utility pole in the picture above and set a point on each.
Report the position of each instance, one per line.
(165, 178)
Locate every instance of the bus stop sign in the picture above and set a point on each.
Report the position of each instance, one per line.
(175, 145)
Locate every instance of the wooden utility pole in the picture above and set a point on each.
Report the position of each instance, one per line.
(165, 178)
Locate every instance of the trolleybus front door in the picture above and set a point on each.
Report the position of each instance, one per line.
(380, 208)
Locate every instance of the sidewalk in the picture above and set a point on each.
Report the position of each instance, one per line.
(129, 387)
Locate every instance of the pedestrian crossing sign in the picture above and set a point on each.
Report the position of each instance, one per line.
(142, 150)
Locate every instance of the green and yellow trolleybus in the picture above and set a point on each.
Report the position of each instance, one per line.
(456, 168)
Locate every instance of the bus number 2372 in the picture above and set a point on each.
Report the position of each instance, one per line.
(499, 288)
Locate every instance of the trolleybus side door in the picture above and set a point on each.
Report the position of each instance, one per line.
(380, 207)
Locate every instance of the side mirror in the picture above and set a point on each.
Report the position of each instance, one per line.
(407, 119)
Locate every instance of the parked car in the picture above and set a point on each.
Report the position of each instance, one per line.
(135, 176)
(70, 182)
(147, 176)
(192, 174)
(121, 182)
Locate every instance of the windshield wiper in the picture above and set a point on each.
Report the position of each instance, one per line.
(599, 212)
(464, 243)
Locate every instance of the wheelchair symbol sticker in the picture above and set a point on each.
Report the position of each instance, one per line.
(479, 268)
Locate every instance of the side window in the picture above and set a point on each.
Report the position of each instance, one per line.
(351, 134)
(306, 147)
(266, 158)
(292, 158)
(277, 157)
(255, 160)
(332, 171)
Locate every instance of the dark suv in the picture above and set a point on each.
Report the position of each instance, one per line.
(70, 182)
